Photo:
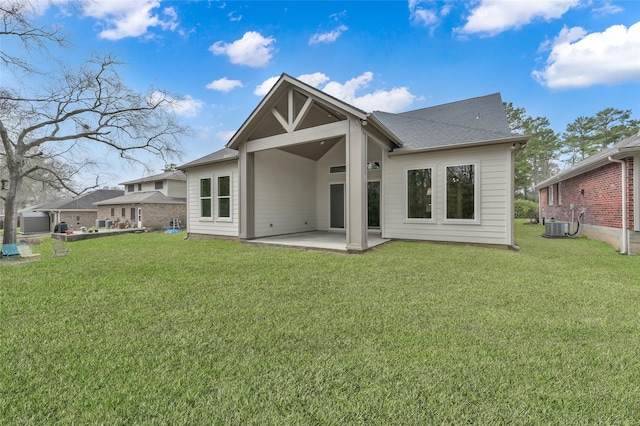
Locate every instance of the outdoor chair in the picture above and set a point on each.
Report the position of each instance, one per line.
(59, 249)
(9, 250)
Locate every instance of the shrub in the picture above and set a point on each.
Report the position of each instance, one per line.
(526, 209)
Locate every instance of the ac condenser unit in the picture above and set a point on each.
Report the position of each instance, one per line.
(556, 229)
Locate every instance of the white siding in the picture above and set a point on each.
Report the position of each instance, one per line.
(198, 225)
(285, 193)
(494, 171)
(175, 188)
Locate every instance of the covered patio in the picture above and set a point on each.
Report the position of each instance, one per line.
(316, 240)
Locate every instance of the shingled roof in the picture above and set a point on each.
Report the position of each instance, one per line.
(81, 202)
(148, 197)
(170, 175)
(223, 154)
(480, 119)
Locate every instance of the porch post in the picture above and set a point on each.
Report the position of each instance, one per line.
(356, 177)
(247, 218)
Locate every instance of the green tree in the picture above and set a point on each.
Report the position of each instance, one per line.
(610, 125)
(578, 140)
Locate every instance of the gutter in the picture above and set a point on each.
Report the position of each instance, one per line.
(625, 234)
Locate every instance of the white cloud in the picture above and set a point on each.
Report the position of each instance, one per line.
(394, 100)
(495, 16)
(316, 79)
(252, 50)
(129, 18)
(428, 15)
(329, 37)
(185, 107)
(578, 59)
(607, 9)
(263, 88)
(225, 135)
(224, 85)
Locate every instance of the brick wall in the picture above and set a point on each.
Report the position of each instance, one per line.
(153, 215)
(78, 219)
(601, 201)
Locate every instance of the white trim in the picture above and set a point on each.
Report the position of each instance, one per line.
(200, 198)
(476, 196)
(218, 197)
(408, 219)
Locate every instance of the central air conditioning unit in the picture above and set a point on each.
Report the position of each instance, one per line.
(556, 229)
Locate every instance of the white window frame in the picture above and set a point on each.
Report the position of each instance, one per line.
(476, 196)
(218, 197)
(200, 198)
(408, 219)
(550, 195)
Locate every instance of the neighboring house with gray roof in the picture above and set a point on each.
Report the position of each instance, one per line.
(151, 202)
(603, 193)
(77, 211)
(306, 161)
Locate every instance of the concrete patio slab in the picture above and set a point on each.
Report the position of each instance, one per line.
(316, 240)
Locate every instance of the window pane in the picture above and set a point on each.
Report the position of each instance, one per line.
(205, 187)
(159, 184)
(461, 192)
(223, 186)
(224, 207)
(419, 194)
(205, 207)
(337, 169)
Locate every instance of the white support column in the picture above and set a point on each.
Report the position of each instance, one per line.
(356, 177)
(247, 182)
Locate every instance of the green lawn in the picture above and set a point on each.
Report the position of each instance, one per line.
(153, 329)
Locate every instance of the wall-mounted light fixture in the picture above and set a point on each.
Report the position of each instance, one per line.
(582, 191)
(3, 184)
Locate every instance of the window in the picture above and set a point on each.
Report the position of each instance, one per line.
(550, 195)
(112, 212)
(224, 197)
(130, 188)
(158, 184)
(133, 213)
(139, 187)
(419, 194)
(337, 169)
(205, 197)
(124, 212)
(559, 195)
(461, 192)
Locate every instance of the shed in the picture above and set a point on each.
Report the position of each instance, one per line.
(33, 222)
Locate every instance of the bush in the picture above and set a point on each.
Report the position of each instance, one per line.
(526, 209)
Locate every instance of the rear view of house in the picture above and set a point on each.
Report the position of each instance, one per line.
(603, 193)
(305, 161)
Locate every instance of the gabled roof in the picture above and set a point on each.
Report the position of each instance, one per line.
(470, 121)
(625, 148)
(224, 154)
(284, 83)
(170, 175)
(148, 197)
(81, 202)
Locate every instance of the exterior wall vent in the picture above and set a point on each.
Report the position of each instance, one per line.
(556, 229)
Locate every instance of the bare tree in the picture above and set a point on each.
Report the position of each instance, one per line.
(15, 24)
(44, 130)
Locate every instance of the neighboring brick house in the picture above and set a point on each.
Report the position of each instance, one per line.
(593, 192)
(77, 211)
(151, 202)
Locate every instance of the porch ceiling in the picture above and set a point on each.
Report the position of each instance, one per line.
(312, 150)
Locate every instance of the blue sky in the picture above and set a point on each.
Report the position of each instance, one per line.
(559, 59)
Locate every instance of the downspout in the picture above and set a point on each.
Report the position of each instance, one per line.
(625, 234)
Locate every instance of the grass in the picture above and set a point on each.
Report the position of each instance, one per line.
(152, 329)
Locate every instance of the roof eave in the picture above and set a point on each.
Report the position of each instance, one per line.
(513, 140)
